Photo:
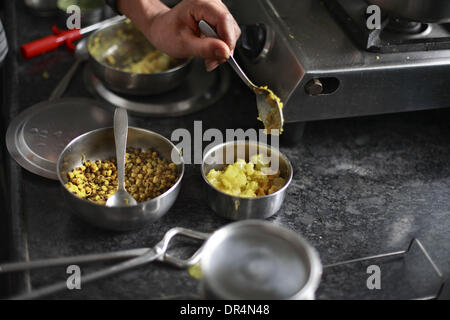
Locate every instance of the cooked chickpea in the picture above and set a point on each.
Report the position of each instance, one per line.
(146, 177)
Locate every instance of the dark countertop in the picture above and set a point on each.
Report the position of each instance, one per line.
(361, 186)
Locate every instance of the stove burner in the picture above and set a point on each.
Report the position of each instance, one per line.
(405, 27)
(396, 35)
(201, 89)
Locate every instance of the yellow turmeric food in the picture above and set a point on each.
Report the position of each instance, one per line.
(128, 50)
(146, 177)
(272, 120)
(247, 179)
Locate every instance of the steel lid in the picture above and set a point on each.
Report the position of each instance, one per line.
(256, 259)
(36, 137)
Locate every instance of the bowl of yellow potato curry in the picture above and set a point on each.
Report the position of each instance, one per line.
(245, 179)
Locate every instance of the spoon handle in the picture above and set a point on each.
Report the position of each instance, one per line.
(120, 136)
(65, 261)
(62, 86)
(206, 29)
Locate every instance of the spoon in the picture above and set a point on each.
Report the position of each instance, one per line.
(81, 55)
(268, 104)
(121, 198)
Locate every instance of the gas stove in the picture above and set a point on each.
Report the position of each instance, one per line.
(323, 61)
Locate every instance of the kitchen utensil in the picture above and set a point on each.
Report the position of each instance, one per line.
(146, 255)
(269, 110)
(59, 37)
(238, 208)
(417, 10)
(241, 275)
(99, 145)
(128, 82)
(36, 137)
(259, 260)
(268, 262)
(81, 55)
(121, 197)
(199, 90)
(3, 44)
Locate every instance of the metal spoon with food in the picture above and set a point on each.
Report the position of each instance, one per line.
(269, 105)
(121, 197)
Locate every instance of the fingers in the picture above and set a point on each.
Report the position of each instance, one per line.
(212, 64)
(216, 14)
(206, 48)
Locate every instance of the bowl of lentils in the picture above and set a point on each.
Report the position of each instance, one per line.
(87, 172)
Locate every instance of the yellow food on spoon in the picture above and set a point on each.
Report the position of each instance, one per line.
(272, 121)
(247, 179)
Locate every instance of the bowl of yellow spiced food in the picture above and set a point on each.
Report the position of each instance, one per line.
(153, 172)
(127, 63)
(245, 179)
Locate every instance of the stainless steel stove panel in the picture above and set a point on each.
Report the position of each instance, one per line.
(310, 43)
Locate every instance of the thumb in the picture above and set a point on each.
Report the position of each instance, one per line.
(206, 48)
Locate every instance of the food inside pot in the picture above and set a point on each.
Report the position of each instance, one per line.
(146, 176)
(125, 48)
(247, 179)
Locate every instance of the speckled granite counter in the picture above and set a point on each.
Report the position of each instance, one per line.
(361, 186)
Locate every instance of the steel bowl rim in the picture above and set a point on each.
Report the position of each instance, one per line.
(130, 74)
(315, 264)
(163, 195)
(288, 163)
(97, 9)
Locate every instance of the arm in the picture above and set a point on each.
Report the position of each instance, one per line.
(175, 30)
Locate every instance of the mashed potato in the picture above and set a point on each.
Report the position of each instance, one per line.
(247, 179)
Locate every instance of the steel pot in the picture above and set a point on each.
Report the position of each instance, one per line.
(256, 259)
(128, 82)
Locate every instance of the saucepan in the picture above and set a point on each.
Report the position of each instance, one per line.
(122, 58)
(251, 259)
(431, 11)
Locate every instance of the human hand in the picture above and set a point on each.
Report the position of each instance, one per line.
(175, 31)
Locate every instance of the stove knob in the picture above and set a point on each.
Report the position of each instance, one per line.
(256, 41)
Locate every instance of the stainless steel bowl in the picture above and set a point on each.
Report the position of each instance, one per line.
(238, 208)
(99, 145)
(128, 82)
(417, 10)
(255, 259)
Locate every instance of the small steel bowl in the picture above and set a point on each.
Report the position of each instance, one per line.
(256, 259)
(239, 208)
(123, 82)
(99, 145)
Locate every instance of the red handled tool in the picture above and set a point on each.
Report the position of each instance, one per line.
(60, 37)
